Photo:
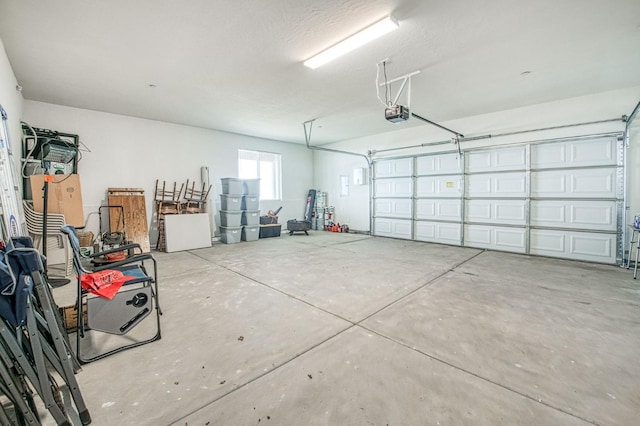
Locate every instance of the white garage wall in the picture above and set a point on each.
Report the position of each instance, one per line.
(602, 106)
(134, 152)
(352, 209)
(11, 100)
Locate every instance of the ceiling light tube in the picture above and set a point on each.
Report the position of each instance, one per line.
(361, 38)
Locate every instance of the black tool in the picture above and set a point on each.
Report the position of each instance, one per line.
(133, 320)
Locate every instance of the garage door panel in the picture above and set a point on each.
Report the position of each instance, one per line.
(441, 209)
(509, 158)
(394, 187)
(392, 168)
(587, 246)
(548, 184)
(548, 156)
(438, 164)
(447, 233)
(510, 185)
(495, 237)
(497, 160)
(382, 207)
(549, 243)
(595, 215)
(578, 183)
(596, 152)
(480, 185)
(478, 236)
(439, 186)
(497, 185)
(392, 207)
(425, 209)
(383, 169)
(506, 212)
(591, 245)
(449, 210)
(548, 213)
(510, 238)
(587, 184)
(511, 212)
(478, 211)
(396, 228)
(383, 226)
(575, 214)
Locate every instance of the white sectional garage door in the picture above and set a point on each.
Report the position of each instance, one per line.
(438, 199)
(393, 200)
(575, 199)
(560, 198)
(495, 213)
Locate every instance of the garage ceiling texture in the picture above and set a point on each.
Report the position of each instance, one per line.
(237, 66)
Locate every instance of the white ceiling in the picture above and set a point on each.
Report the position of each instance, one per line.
(237, 65)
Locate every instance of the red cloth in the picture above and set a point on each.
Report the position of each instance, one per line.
(104, 283)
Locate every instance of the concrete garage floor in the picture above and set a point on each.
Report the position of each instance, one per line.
(345, 329)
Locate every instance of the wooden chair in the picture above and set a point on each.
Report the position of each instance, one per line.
(167, 202)
(168, 199)
(195, 199)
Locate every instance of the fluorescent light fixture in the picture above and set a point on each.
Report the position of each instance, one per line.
(361, 38)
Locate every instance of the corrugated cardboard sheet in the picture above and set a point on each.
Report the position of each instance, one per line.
(65, 196)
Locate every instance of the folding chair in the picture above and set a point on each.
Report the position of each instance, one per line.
(114, 300)
(32, 343)
(13, 383)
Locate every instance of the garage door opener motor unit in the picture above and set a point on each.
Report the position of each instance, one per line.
(396, 113)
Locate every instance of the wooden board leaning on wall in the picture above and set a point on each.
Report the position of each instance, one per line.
(135, 215)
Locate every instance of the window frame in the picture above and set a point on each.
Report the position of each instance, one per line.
(265, 156)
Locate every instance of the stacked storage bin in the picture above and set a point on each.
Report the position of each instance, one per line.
(250, 209)
(231, 213)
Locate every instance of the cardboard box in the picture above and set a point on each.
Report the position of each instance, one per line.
(65, 196)
(69, 316)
